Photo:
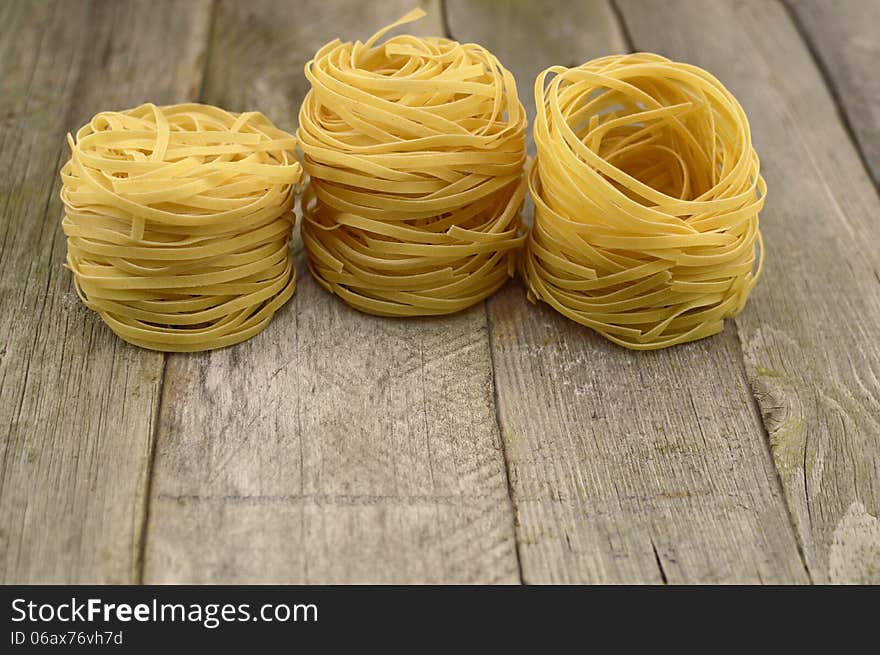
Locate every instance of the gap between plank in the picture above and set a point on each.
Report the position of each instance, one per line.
(657, 559)
(622, 26)
(828, 78)
(209, 49)
(444, 20)
(507, 464)
(151, 466)
(140, 563)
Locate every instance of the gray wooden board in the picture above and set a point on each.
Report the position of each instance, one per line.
(334, 446)
(77, 405)
(809, 334)
(625, 466)
(844, 36)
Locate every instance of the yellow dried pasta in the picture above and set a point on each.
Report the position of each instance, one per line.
(647, 191)
(414, 149)
(178, 221)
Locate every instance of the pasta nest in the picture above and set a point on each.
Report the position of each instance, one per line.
(178, 221)
(415, 150)
(647, 192)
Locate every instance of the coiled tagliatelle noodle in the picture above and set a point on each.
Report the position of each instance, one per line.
(178, 221)
(415, 149)
(647, 193)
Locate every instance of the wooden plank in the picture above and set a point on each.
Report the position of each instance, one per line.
(625, 467)
(334, 446)
(567, 31)
(809, 334)
(844, 38)
(77, 405)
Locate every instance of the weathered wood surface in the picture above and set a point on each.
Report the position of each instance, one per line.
(809, 334)
(844, 38)
(77, 405)
(624, 466)
(334, 446)
(337, 447)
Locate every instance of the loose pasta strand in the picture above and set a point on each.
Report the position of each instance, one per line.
(178, 221)
(414, 149)
(647, 192)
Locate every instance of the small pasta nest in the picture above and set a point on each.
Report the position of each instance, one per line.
(647, 192)
(414, 149)
(178, 221)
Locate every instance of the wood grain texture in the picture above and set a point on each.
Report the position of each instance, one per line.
(809, 334)
(844, 38)
(527, 35)
(77, 405)
(334, 446)
(625, 467)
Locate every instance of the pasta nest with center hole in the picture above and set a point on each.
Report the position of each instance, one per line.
(178, 221)
(647, 192)
(415, 150)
